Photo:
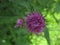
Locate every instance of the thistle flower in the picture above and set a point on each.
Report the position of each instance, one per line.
(19, 23)
(35, 22)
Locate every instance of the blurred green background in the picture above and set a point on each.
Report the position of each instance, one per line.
(11, 10)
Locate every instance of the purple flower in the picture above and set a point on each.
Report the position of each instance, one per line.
(35, 22)
(19, 23)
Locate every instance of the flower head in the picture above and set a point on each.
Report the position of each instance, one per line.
(19, 23)
(35, 22)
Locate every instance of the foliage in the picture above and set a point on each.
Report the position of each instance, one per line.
(11, 10)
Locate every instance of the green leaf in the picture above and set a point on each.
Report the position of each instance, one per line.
(46, 35)
(57, 41)
(57, 7)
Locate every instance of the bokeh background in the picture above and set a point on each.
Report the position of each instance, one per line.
(11, 10)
